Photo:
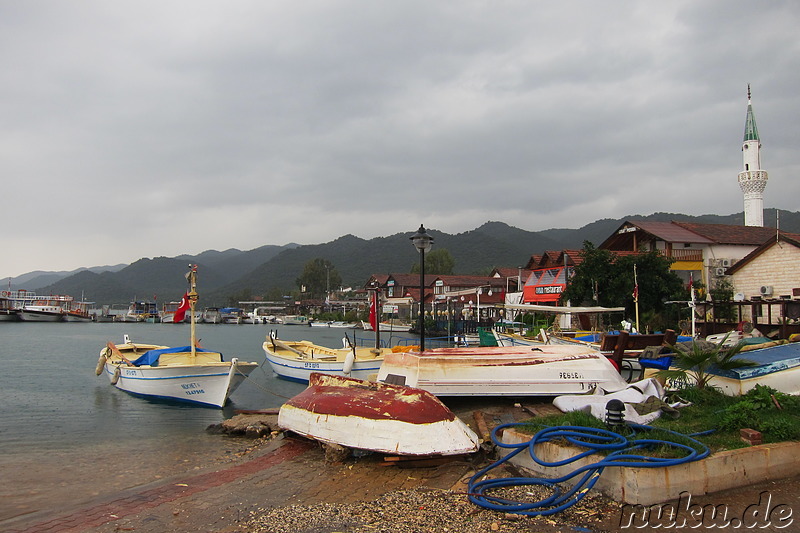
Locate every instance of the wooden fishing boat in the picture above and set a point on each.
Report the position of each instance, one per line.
(186, 373)
(777, 365)
(542, 370)
(296, 360)
(376, 416)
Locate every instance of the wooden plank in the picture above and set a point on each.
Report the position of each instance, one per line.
(482, 426)
(272, 411)
(544, 409)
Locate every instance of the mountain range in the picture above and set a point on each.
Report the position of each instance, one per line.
(232, 275)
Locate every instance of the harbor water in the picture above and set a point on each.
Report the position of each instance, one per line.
(68, 435)
(52, 399)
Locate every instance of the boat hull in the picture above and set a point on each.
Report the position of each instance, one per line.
(69, 317)
(377, 417)
(34, 315)
(545, 370)
(776, 366)
(206, 384)
(291, 366)
(8, 315)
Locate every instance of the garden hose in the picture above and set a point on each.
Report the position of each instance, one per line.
(622, 454)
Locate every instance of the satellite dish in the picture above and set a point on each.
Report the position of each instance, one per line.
(738, 297)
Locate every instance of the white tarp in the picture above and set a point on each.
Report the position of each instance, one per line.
(635, 393)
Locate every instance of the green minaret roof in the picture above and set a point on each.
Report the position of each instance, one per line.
(750, 129)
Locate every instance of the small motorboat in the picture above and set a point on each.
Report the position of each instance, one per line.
(378, 417)
(296, 360)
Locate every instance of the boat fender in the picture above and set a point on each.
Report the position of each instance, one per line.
(115, 377)
(349, 360)
(101, 363)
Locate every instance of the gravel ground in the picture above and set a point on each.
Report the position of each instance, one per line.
(424, 510)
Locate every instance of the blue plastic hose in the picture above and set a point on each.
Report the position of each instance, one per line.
(594, 440)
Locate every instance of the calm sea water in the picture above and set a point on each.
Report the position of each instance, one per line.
(52, 399)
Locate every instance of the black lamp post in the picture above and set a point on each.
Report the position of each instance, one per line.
(422, 241)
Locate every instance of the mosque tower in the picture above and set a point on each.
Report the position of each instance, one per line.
(752, 180)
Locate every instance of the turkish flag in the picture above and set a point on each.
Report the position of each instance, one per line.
(180, 313)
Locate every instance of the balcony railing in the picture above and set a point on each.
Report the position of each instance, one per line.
(684, 255)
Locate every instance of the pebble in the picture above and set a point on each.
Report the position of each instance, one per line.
(419, 510)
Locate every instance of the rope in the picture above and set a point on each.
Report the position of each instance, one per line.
(594, 440)
(264, 389)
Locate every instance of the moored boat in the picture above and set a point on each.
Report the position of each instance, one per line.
(296, 360)
(8, 312)
(390, 325)
(141, 311)
(47, 309)
(231, 315)
(212, 315)
(377, 417)
(78, 312)
(543, 370)
(295, 320)
(185, 373)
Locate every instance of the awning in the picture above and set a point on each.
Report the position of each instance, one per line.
(563, 309)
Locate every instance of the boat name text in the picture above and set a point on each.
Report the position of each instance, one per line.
(192, 388)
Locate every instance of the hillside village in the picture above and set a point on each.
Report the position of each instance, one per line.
(754, 264)
(732, 273)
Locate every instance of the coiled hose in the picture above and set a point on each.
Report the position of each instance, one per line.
(594, 440)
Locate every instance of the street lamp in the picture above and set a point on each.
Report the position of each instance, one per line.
(478, 292)
(422, 242)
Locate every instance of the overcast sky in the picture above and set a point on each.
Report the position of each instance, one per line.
(150, 128)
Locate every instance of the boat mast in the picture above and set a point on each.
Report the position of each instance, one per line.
(193, 296)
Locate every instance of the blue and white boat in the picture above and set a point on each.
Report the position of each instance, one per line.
(186, 373)
(296, 360)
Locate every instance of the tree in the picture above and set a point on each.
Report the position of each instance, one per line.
(591, 278)
(605, 279)
(319, 276)
(438, 261)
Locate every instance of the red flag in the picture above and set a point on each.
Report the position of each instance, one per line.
(373, 311)
(180, 313)
(636, 292)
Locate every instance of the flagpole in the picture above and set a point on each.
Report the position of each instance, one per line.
(692, 304)
(636, 297)
(192, 275)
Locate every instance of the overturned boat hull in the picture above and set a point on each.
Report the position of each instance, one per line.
(376, 416)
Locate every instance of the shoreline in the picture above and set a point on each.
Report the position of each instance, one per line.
(281, 483)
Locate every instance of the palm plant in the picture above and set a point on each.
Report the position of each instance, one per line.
(696, 362)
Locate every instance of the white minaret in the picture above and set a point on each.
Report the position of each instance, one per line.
(752, 180)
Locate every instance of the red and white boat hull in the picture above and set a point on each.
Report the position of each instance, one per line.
(376, 416)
